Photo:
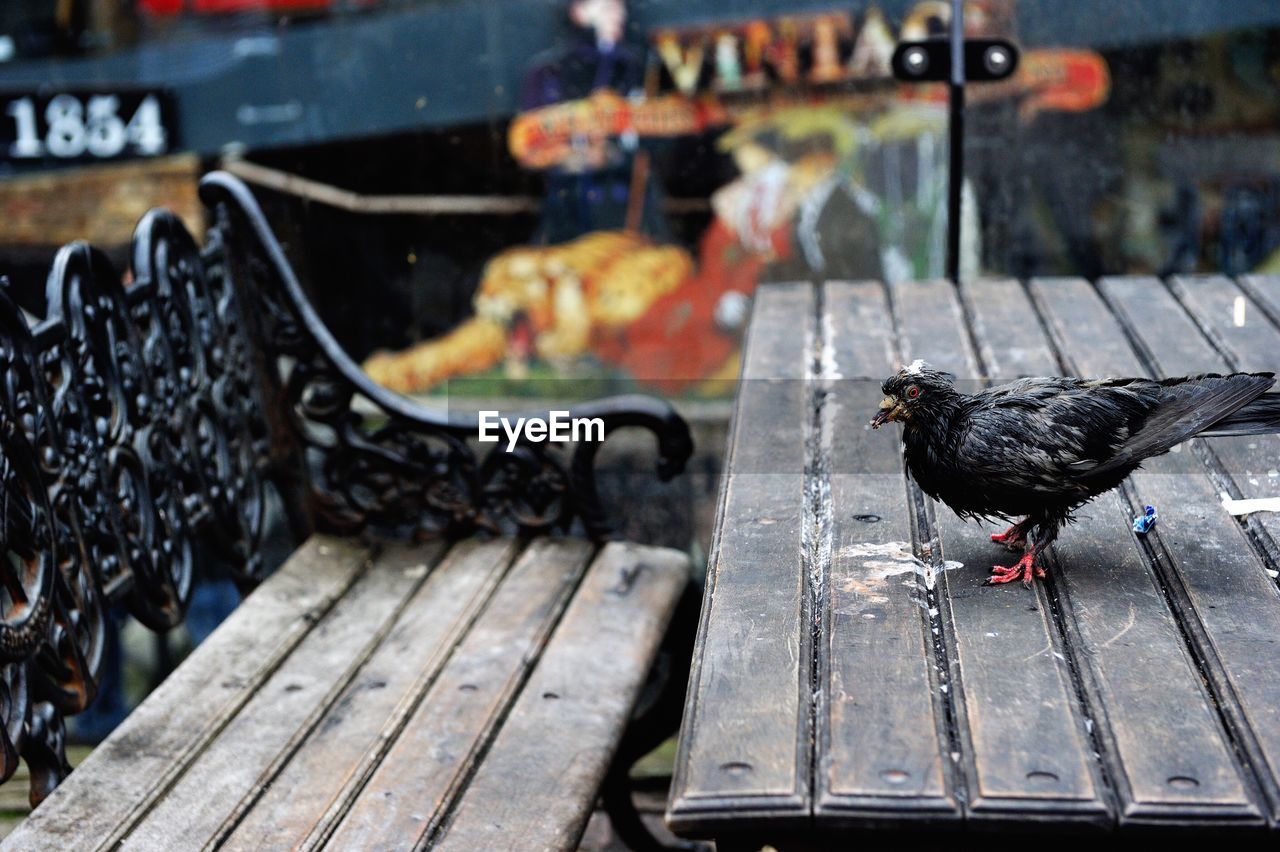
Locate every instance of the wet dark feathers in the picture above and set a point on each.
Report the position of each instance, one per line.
(1044, 446)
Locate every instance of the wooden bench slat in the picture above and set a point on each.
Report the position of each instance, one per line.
(1119, 617)
(1027, 747)
(408, 792)
(535, 788)
(745, 742)
(123, 778)
(881, 735)
(286, 706)
(353, 735)
(1233, 605)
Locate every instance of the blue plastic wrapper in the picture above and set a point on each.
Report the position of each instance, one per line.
(1144, 522)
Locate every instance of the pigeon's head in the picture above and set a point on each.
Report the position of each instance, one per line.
(912, 391)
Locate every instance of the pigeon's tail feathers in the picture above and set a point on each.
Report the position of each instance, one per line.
(1260, 417)
(1187, 407)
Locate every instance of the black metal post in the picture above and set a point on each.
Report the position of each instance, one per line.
(955, 176)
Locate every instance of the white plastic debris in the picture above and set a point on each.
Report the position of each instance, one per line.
(1251, 505)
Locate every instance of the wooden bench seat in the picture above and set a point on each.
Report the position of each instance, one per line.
(465, 697)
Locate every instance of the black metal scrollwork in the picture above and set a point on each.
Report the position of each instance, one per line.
(374, 460)
(140, 427)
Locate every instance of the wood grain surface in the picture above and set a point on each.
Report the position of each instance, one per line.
(1136, 687)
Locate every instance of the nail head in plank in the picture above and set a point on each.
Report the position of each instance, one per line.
(745, 742)
(882, 747)
(535, 788)
(410, 790)
(124, 776)
(353, 735)
(285, 707)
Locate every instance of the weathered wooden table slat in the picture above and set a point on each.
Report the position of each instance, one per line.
(1231, 606)
(1264, 290)
(1121, 618)
(1139, 685)
(1027, 741)
(1238, 327)
(881, 724)
(752, 678)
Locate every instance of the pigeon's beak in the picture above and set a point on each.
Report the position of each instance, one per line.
(889, 410)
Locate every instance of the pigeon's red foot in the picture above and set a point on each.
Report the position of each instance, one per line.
(1014, 538)
(1025, 570)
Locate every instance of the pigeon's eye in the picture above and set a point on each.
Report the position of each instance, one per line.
(913, 391)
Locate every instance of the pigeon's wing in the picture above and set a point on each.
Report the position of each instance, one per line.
(1045, 435)
(1184, 408)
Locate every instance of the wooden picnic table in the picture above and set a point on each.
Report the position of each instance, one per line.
(852, 672)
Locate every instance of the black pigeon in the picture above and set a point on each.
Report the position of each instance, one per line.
(1037, 449)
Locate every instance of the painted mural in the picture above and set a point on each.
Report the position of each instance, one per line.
(838, 171)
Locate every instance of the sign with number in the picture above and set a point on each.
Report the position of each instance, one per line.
(80, 125)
